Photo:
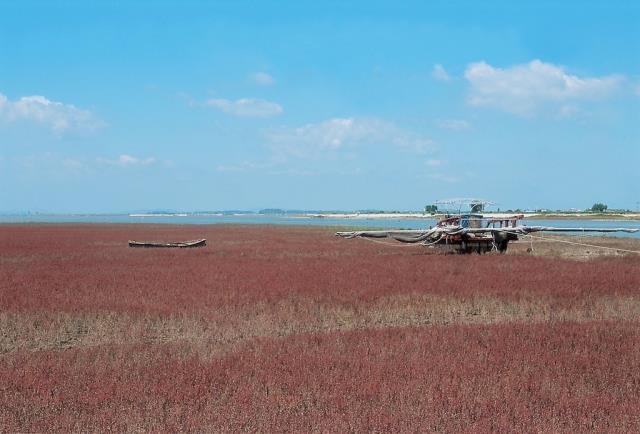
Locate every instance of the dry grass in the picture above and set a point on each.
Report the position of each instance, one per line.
(228, 330)
(559, 246)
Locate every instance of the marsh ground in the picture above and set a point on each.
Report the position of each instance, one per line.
(290, 328)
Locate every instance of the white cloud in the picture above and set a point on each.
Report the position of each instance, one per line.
(337, 140)
(245, 166)
(262, 78)
(434, 163)
(125, 160)
(343, 134)
(246, 107)
(453, 124)
(439, 73)
(335, 133)
(57, 116)
(529, 88)
(293, 172)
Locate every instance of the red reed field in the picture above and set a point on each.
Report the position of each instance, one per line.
(291, 329)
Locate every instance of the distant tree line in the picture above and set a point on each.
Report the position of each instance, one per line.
(599, 207)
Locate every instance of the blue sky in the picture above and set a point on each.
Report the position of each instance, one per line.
(111, 106)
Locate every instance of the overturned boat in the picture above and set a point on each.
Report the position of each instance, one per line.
(182, 244)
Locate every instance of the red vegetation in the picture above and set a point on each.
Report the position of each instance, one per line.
(90, 268)
(290, 329)
(516, 378)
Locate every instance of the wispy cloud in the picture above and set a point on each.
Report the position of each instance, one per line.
(244, 166)
(126, 160)
(530, 88)
(73, 163)
(293, 172)
(262, 78)
(439, 73)
(331, 147)
(58, 117)
(453, 124)
(343, 134)
(434, 163)
(246, 107)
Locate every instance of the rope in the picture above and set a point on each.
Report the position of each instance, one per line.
(391, 244)
(580, 244)
(436, 241)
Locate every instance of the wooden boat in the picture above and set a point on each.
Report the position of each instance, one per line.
(194, 243)
(473, 232)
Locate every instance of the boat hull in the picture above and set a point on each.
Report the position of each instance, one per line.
(181, 245)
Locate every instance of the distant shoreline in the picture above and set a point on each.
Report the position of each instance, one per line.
(528, 216)
(388, 215)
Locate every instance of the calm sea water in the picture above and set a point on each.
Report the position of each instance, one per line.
(390, 223)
